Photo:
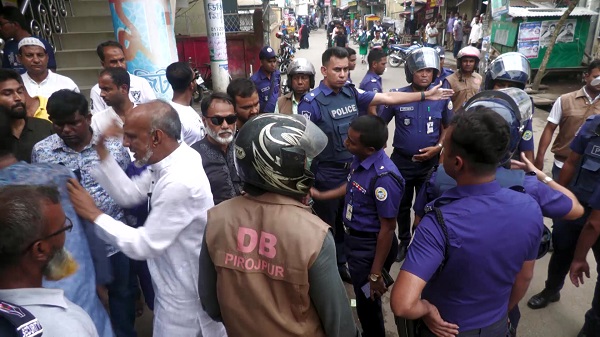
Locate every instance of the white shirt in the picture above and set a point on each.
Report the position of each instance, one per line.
(179, 195)
(104, 119)
(476, 33)
(58, 316)
(556, 115)
(139, 92)
(53, 83)
(430, 31)
(192, 128)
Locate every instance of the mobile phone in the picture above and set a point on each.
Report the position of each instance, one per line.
(387, 280)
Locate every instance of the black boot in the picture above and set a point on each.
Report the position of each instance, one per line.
(542, 299)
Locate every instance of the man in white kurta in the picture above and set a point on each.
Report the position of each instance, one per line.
(178, 195)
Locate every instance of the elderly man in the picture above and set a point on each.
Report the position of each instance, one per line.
(80, 287)
(112, 56)
(216, 149)
(301, 78)
(178, 195)
(32, 236)
(73, 146)
(39, 80)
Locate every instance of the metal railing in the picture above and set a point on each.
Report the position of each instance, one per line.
(238, 22)
(46, 18)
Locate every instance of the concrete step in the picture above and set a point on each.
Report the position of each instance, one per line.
(83, 76)
(74, 58)
(85, 40)
(89, 23)
(90, 8)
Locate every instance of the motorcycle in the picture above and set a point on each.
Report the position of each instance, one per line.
(201, 90)
(286, 52)
(398, 53)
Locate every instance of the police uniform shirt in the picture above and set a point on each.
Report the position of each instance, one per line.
(365, 204)
(140, 92)
(554, 204)
(527, 141)
(418, 124)
(442, 78)
(268, 97)
(587, 144)
(474, 287)
(310, 108)
(371, 82)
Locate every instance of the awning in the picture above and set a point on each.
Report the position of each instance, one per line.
(521, 12)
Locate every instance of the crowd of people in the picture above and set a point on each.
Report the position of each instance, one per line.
(246, 219)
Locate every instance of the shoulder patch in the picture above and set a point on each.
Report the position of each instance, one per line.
(381, 194)
(450, 105)
(527, 135)
(306, 114)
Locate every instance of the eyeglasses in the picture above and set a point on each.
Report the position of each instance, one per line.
(67, 228)
(218, 120)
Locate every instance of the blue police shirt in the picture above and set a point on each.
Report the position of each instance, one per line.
(349, 80)
(554, 204)
(587, 144)
(268, 97)
(526, 143)
(585, 134)
(371, 82)
(365, 204)
(11, 50)
(310, 109)
(442, 78)
(418, 124)
(487, 249)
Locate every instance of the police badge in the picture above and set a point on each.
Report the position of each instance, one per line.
(407, 121)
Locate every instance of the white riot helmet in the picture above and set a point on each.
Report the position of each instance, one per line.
(301, 66)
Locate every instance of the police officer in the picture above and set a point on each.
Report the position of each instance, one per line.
(300, 79)
(465, 82)
(267, 79)
(588, 239)
(332, 106)
(457, 277)
(420, 128)
(554, 200)
(512, 70)
(442, 77)
(569, 112)
(372, 81)
(351, 62)
(372, 193)
(261, 274)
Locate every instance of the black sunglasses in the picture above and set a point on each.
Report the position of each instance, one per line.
(218, 120)
(67, 228)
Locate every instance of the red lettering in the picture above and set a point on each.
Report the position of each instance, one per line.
(228, 258)
(267, 245)
(243, 245)
(240, 262)
(278, 271)
(249, 264)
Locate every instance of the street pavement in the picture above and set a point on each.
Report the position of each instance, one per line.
(561, 319)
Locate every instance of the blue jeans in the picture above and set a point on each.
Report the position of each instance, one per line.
(121, 300)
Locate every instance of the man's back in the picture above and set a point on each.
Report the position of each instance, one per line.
(486, 251)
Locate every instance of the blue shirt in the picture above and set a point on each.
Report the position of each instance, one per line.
(554, 204)
(418, 124)
(492, 232)
(263, 86)
(584, 135)
(80, 288)
(369, 203)
(526, 143)
(442, 78)
(11, 50)
(54, 150)
(371, 82)
(311, 109)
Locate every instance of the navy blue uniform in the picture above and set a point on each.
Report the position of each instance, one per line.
(442, 78)
(591, 327)
(332, 113)
(418, 125)
(268, 89)
(371, 82)
(374, 190)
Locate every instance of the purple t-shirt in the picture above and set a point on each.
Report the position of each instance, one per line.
(492, 232)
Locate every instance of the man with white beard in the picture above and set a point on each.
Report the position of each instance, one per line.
(217, 152)
(178, 195)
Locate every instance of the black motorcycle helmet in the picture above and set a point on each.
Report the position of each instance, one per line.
(271, 152)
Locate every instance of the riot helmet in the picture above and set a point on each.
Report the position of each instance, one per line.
(301, 66)
(422, 58)
(511, 67)
(271, 152)
(514, 105)
(468, 51)
(441, 52)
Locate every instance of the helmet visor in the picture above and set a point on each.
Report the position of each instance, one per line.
(423, 58)
(511, 67)
(313, 141)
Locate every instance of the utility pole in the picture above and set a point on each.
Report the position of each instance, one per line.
(217, 44)
(266, 23)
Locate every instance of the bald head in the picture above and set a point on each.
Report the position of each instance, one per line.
(157, 115)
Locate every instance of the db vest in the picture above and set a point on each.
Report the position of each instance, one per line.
(588, 175)
(337, 111)
(575, 109)
(262, 262)
(464, 87)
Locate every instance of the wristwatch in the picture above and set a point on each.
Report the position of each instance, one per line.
(547, 180)
(374, 277)
(440, 145)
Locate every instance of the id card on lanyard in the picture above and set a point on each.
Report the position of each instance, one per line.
(429, 122)
(349, 205)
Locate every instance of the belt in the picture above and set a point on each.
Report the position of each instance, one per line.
(335, 164)
(360, 234)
